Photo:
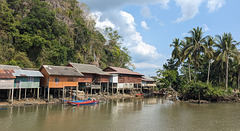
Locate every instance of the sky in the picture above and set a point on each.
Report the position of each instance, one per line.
(148, 27)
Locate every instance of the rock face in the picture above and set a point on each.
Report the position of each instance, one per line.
(198, 101)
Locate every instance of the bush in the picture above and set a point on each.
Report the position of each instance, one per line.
(201, 90)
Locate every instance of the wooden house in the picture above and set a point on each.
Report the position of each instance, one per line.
(59, 77)
(27, 79)
(148, 84)
(7, 81)
(122, 78)
(94, 78)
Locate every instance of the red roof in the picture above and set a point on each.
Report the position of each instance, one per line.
(121, 71)
(4, 73)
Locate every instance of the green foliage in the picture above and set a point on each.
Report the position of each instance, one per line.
(200, 90)
(43, 33)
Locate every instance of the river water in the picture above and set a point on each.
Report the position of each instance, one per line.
(153, 114)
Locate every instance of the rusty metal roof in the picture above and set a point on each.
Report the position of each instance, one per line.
(87, 68)
(5, 73)
(61, 70)
(117, 70)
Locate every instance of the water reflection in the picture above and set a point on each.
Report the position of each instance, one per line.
(123, 114)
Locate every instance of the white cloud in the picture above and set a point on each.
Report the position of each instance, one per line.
(146, 12)
(146, 65)
(144, 25)
(189, 9)
(205, 28)
(103, 24)
(213, 5)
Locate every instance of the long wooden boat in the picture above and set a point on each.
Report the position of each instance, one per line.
(83, 102)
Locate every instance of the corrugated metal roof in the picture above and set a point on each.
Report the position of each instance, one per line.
(87, 68)
(122, 71)
(10, 67)
(61, 70)
(27, 73)
(147, 78)
(5, 73)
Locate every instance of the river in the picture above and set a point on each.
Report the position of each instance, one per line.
(153, 114)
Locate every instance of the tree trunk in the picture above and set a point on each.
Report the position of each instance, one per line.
(226, 83)
(208, 71)
(189, 71)
(195, 68)
(238, 78)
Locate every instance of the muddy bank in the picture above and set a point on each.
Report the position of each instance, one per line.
(31, 101)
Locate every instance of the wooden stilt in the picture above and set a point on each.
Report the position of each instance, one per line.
(100, 87)
(71, 94)
(12, 94)
(76, 93)
(48, 92)
(63, 93)
(137, 87)
(34, 92)
(108, 87)
(112, 87)
(19, 95)
(37, 93)
(44, 92)
(59, 93)
(25, 93)
(9, 94)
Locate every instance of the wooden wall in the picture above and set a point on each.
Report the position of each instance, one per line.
(70, 81)
(6, 83)
(87, 78)
(129, 79)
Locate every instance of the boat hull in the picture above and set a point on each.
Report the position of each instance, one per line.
(86, 102)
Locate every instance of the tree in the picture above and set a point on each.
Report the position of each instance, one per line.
(209, 43)
(226, 50)
(196, 47)
(176, 51)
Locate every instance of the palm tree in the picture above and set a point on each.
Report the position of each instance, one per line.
(196, 47)
(176, 51)
(209, 43)
(226, 50)
(188, 57)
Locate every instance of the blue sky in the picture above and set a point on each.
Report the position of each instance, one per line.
(149, 26)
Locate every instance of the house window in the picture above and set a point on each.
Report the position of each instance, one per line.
(56, 80)
(86, 78)
(30, 79)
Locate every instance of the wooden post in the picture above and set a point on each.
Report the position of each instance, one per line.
(59, 92)
(34, 92)
(48, 93)
(63, 93)
(19, 95)
(44, 92)
(112, 87)
(12, 94)
(71, 94)
(9, 94)
(91, 88)
(25, 93)
(100, 87)
(108, 87)
(76, 92)
(37, 93)
(137, 87)
(141, 87)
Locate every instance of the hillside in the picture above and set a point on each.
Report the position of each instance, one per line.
(54, 32)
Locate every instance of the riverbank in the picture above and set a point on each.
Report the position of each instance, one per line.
(32, 101)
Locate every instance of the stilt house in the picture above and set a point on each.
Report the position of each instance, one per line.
(7, 82)
(94, 78)
(59, 77)
(27, 79)
(148, 84)
(122, 79)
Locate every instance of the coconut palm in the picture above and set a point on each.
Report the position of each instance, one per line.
(176, 51)
(196, 47)
(184, 44)
(226, 50)
(209, 43)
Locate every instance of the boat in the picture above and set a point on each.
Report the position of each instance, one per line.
(83, 102)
